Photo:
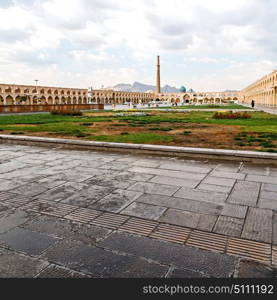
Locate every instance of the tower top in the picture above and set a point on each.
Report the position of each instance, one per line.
(158, 59)
(158, 78)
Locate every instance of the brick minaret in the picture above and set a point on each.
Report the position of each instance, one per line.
(158, 83)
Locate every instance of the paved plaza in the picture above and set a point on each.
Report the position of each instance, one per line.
(68, 213)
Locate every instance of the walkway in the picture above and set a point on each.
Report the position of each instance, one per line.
(271, 110)
(66, 213)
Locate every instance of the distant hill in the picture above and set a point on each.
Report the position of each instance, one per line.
(141, 87)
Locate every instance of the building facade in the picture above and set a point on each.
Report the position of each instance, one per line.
(118, 97)
(12, 94)
(198, 98)
(263, 91)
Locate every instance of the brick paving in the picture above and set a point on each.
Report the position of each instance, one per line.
(67, 213)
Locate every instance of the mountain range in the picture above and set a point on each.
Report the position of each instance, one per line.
(141, 87)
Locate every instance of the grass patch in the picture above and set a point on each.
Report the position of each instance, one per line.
(67, 112)
(210, 106)
(256, 133)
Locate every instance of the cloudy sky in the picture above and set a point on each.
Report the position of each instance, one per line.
(204, 44)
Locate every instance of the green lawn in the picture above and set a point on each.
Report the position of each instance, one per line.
(195, 129)
(210, 106)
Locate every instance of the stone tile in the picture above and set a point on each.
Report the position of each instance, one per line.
(6, 185)
(270, 187)
(88, 196)
(169, 173)
(11, 166)
(140, 177)
(258, 225)
(54, 271)
(183, 204)
(15, 265)
(179, 273)
(72, 175)
(272, 171)
(274, 229)
(268, 204)
(228, 167)
(49, 182)
(23, 240)
(188, 219)
(198, 195)
(206, 222)
(228, 226)
(221, 174)
(63, 191)
(251, 269)
(185, 257)
(30, 189)
(255, 169)
(146, 163)
(244, 193)
(143, 210)
(116, 201)
(219, 181)
(114, 166)
(57, 227)
(11, 218)
(153, 188)
(112, 179)
(102, 263)
(67, 165)
(235, 211)
(175, 181)
(264, 179)
(268, 195)
(182, 166)
(214, 188)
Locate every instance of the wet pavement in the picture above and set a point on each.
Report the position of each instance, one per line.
(67, 213)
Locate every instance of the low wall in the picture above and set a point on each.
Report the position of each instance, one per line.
(47, 107)
(171, 151)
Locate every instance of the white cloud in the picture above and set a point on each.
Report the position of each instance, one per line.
(118, 40)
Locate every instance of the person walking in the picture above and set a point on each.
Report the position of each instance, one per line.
(253, 103)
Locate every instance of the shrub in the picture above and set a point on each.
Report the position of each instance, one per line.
(87, 124)
(186, 132)
(231, 115)
(67, 112)
(17, 132)
(124, 133)
(160, 129)
(267, 144)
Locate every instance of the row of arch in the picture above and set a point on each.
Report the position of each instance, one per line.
(263, 91)
(40, 91)
(209, 95)
(197, 100)
(119, 100)
(18, 100)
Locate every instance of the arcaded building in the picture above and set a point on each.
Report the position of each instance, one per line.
(263, 91)
(14, 94)
(118, 97)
